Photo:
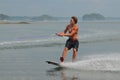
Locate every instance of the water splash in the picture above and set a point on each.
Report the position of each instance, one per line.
(100, 63)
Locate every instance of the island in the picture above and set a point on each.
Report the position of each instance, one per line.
(44, 18)
(93, 16)
(4, 17)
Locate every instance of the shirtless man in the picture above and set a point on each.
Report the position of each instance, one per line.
(71, 31)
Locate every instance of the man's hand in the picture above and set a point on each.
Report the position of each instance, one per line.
(60, 34)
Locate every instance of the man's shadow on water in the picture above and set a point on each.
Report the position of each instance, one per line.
(54, 71)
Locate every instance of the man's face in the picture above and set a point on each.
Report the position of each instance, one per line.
(72, 22)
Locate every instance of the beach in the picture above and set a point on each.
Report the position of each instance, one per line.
(24, 48)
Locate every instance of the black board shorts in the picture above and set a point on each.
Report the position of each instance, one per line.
(72, 44)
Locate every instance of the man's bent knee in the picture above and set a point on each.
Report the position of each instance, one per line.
(65, 49)
(74, 50)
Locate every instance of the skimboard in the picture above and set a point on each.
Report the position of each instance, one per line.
(54, 63)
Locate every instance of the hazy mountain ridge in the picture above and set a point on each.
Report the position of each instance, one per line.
(90, 17)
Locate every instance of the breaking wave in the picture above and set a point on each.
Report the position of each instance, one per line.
(30, 43)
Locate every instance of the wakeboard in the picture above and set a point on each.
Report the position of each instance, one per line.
(54, 63)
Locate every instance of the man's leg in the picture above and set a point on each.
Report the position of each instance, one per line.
(64, 54)
(74, 54)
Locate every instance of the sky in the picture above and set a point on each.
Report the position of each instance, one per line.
(60, 8)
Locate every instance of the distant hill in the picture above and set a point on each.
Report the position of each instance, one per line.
(93, 16)
(37, 18)
(44, 17)
(4, 17)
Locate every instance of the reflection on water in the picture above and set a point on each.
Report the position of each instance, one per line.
(72, 74)
(52, 72)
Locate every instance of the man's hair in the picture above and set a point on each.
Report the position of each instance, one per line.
(75, 19)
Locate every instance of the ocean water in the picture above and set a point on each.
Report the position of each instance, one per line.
(24, 48)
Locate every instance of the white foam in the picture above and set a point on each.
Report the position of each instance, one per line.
(51, 39)
(109, 63)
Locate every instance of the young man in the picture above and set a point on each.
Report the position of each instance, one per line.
(71, 31)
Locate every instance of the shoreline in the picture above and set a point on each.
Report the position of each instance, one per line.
(10, 22)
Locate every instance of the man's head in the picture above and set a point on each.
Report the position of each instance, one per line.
(74, 19)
